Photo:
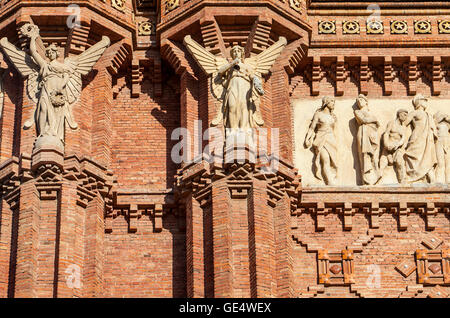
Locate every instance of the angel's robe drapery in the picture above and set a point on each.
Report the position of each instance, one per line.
(368, 143)
(51, 118)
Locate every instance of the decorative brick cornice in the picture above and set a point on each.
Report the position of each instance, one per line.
(196, 178)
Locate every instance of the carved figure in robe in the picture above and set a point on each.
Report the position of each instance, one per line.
(420, 153)
(322, 139)
(442, 122)
(368, 141)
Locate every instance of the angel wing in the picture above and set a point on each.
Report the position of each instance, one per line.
(82, 65)
(209, 63)
(26, 66)
(263, 62)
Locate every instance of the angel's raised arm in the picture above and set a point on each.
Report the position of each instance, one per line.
(34, 53)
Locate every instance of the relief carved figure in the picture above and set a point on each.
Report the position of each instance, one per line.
(420, 153)
(52, 85)
(368, 141)
(237, 85)
(394, 144)
(442, 122)
(2, 94)
(321, 137)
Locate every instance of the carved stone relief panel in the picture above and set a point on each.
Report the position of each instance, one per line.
(375, 142)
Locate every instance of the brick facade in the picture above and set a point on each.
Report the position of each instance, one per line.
(114, 216)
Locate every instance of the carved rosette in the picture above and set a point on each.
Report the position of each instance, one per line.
(422, 27)
(375, 27)
(444, 26)
(350, 27)
(399, 27)
(327, 27)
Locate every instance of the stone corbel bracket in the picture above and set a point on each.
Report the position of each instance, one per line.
(10, 181)
(374, 202)
(133, 204)
(49, 168)
(196, 178)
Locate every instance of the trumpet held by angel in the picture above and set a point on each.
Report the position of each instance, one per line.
(53, 85)
(237, 84)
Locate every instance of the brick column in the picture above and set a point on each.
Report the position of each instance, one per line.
(283, 249)
(94, 249)
(70, 244)
(189, 107)
(222, 240)
(6, 228)
(282, 112)
(251, 235)
(102, 113)
(11, 117)
(194, 249)
(28, 242)
(261, 242)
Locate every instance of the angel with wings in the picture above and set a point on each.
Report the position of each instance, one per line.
(237, 85)
(52, 85)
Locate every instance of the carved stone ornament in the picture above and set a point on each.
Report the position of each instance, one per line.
(375, 27)
(145, 28)
(327, 27)
(350, 27)
(52, 85)
(420, 154)
(422, 27)
(399, 27)
(442, 122)
(237, 85)
(296, 5)
(368, 141)
(172, 4)
(394, 143)
(321, 139)
(118, 4)
(444, 26)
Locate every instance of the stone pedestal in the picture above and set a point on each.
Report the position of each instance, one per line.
(238, 226)
(57, 205)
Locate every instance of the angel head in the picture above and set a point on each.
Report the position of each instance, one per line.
(237, 52)
(51, 52)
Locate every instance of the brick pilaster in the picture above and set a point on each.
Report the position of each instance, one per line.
(222, 240)
(194, 249)
(261, 242)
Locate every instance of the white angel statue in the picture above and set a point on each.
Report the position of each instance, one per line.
(237, 85)
(52, 85)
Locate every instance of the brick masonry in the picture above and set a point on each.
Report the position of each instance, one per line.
(114, 216)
